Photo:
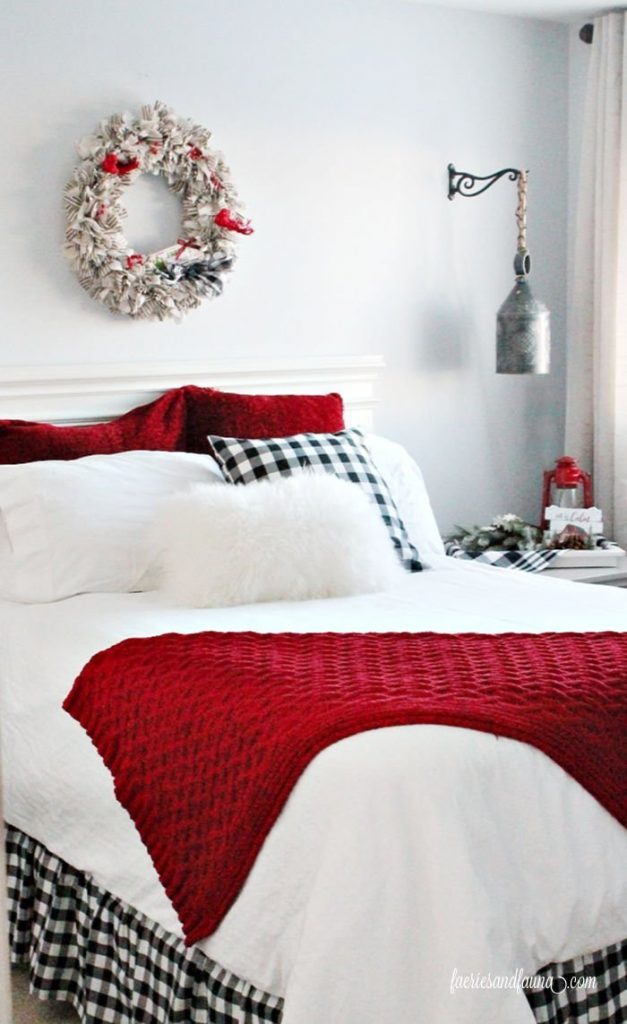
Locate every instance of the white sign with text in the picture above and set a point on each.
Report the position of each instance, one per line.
(588, 520)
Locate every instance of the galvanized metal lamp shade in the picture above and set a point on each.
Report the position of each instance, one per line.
(523, 329)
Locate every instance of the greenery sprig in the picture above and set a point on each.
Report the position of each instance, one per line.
(505, 533)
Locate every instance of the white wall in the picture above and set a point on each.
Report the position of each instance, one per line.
(338, 118)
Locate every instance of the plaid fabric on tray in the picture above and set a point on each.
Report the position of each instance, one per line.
(527, 561)
(115, 966)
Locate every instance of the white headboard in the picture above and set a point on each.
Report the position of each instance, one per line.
(92, 392)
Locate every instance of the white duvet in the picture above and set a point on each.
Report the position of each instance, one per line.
(402, 855)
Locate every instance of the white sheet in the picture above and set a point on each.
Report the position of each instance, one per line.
(402, 854)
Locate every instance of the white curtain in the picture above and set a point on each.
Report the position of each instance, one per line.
(596, 406)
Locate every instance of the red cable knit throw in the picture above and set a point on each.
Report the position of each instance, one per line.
(206, 734)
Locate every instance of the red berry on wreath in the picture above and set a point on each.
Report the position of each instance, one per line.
(195, 153)
(134, 260)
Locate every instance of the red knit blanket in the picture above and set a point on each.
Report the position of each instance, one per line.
(206, 734)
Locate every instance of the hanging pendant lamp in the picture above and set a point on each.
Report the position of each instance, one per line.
(523, 330)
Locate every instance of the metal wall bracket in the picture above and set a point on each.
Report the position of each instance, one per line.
(465, 184)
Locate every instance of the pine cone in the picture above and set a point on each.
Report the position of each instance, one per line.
(574, 542)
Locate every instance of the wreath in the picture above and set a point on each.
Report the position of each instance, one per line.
(172, 281)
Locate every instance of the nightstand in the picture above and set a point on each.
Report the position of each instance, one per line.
(613, 577)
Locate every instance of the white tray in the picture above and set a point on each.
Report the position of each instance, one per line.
(597, 558)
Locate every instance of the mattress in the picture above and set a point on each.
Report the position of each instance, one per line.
(403, 855)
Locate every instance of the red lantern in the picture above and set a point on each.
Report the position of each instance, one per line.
(566, 486)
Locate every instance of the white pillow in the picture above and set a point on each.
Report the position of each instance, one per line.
(407, 487)
(5, 551)
(288, 538)
(81, 526)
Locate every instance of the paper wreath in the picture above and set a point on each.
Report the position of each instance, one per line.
(163, 284)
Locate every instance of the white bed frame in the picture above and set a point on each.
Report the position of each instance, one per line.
(92, 392)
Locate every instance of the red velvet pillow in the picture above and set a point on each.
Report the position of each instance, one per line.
(255, 416)
(158, 426)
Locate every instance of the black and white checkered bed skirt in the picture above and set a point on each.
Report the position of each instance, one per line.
(115, 966)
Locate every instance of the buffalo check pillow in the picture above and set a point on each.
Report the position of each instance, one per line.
(345, 454)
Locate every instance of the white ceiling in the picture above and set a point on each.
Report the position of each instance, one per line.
(557, 10)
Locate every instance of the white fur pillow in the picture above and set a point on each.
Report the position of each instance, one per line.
(291, 538)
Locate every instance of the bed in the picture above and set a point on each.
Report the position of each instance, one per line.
(373, 896)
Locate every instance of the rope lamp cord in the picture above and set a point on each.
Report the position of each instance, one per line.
(521, 212)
